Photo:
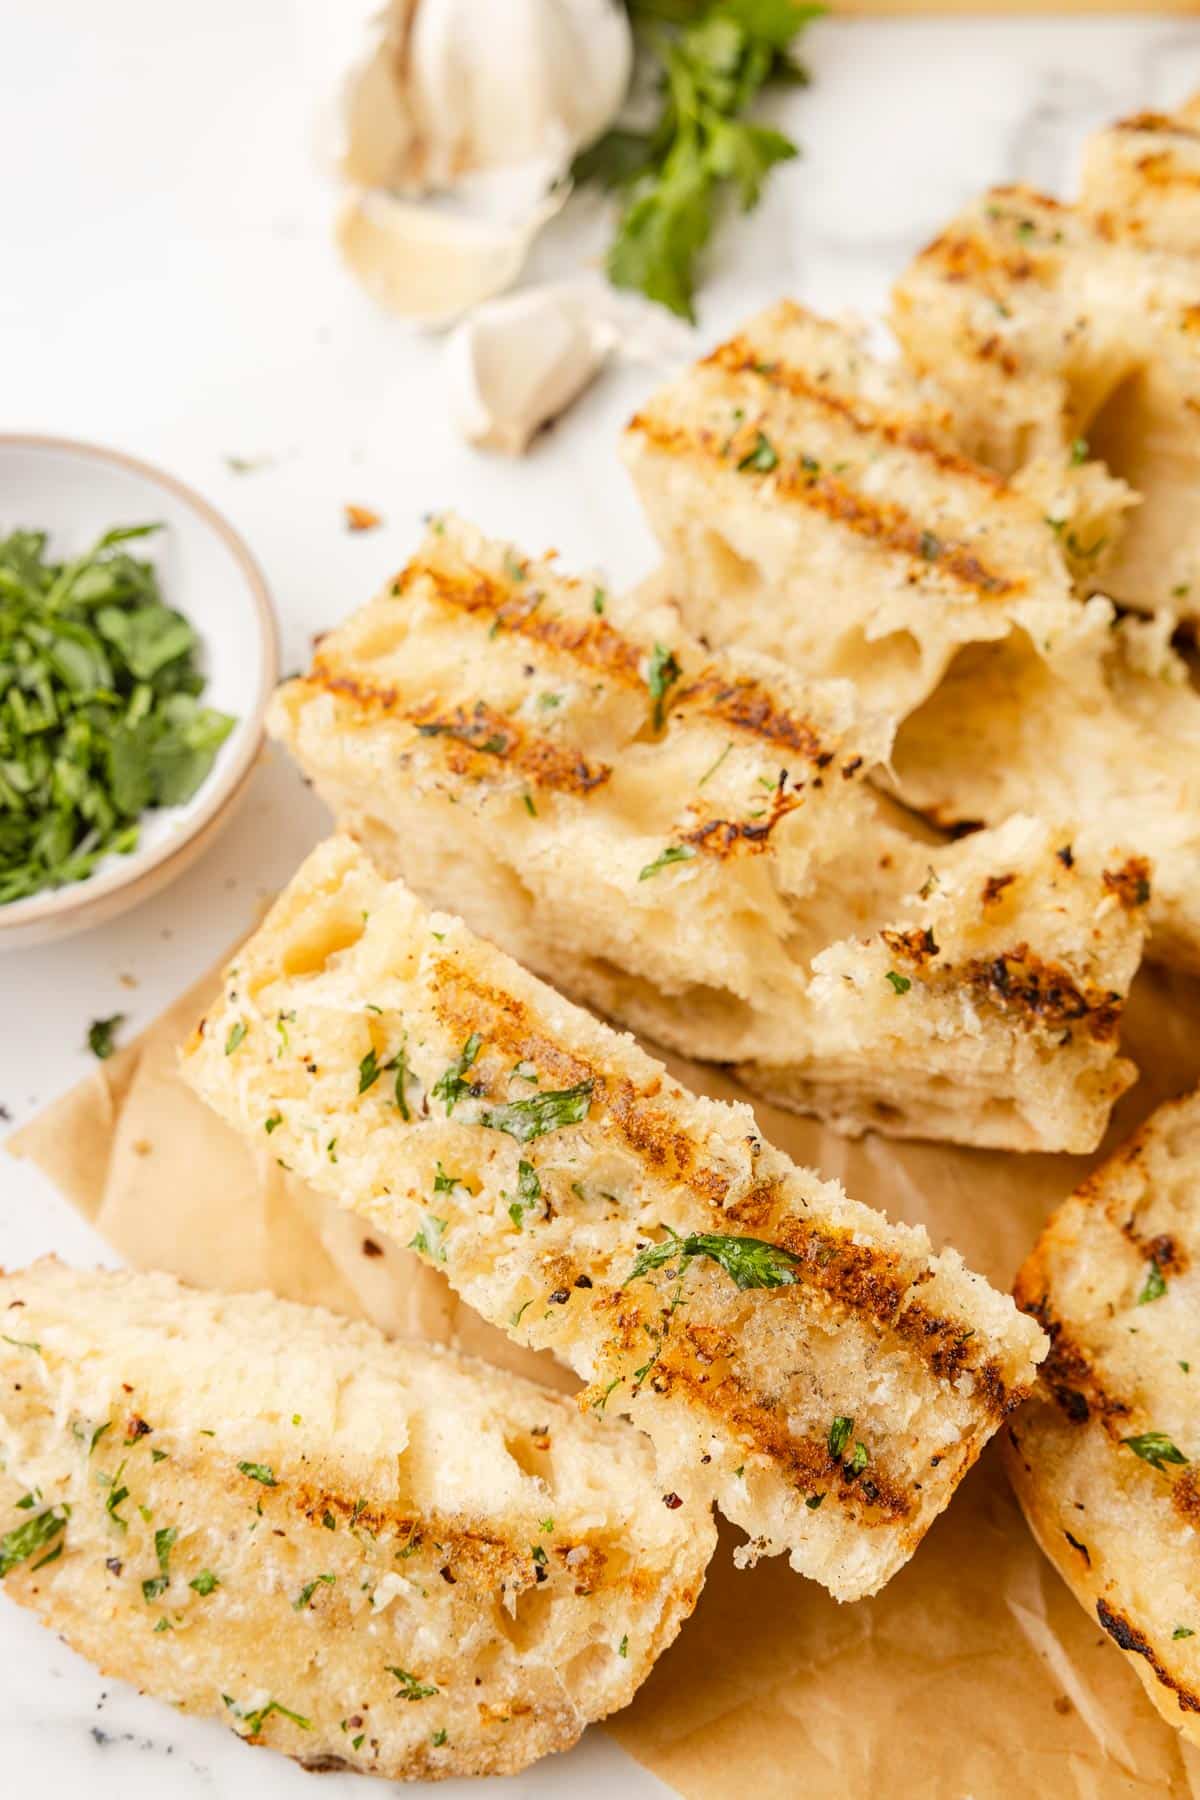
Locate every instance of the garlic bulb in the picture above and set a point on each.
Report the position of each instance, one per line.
(461, 85)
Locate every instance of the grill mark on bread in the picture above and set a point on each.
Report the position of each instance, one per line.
(473, 742)
(1162, 123)
(1129, 1637)
(738, 356)
(881, 523)
(1017, 981)
(746, 705)
(858, 1278)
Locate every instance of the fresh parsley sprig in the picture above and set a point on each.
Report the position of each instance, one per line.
(749, 1262)
(715, 56)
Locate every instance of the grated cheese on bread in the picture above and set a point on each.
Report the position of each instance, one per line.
(821, 1368)
(1106, 1458)
(373, 1556)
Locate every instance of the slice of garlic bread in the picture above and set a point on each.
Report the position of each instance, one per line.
(1051, 326)
(372, 1555)
(1106, 1458)
(830, 1376)
(683, 839)
(812, 503)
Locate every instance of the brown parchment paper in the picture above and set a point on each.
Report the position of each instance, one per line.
(975, 1673)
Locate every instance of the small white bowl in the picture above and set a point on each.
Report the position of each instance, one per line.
(76, 492)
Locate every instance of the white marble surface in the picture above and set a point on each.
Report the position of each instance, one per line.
(168, 287)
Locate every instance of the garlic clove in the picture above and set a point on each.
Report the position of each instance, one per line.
(432, 264)
(379, 146)
(517, 363)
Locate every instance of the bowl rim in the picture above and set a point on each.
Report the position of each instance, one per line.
(249, 730)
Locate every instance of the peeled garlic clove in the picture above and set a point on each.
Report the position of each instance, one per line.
(517, 363)
(432, 265)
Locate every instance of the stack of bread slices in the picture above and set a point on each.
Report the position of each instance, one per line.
(874, 793)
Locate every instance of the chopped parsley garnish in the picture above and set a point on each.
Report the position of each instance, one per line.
(100, 717)
(762, 458)
(1155, 1285)
(368, 1071)
(900, 983)
(164, 1543)
(309, 1589)
(26, 1539)
(428, 1240)
(750, 1262)
(713, 767)
(661, 675)
(930, 546)
(236, 1035)
(204, 1582)
(857, 1461)
(623, 1646)
(410, 1688)
(273, 1123)
(452, 1085)
(1079, 452)
(259, 1472)
(598, 600)
(839, 1435)
(102, 1033)
(674, 853)
(21, 1343)
(254, 1721)
(439, 1738)
(532, 1118)
(399, 1063)
(117, 1494)
(813, 1501)
(1182, 1631)
(1155, 1448)
(443, 1183)
(529, 1192)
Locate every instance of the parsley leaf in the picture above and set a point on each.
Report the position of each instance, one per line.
(716, 56)
(26, 1539)
(410, 1687)
(529, 1192)
(532, 1118)
(368, 1071)
(673, 853)
(204, 1582)
(661, 675)
(750, 1262)
(839, 1435)
(901, 983)
(1155, 1448)
(1155, 1285)
(101, 1037)
(164, 1543)
(259, 1472)
(309, 1589)
(452, 1085)
(762, 458)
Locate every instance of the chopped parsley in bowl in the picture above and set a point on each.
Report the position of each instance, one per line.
(101, 709)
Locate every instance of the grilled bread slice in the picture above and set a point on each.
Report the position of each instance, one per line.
(685, 840)
(1106, 1458)
(824, 1371)
(812, 503)
(372, 1555)
(1049, 325)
